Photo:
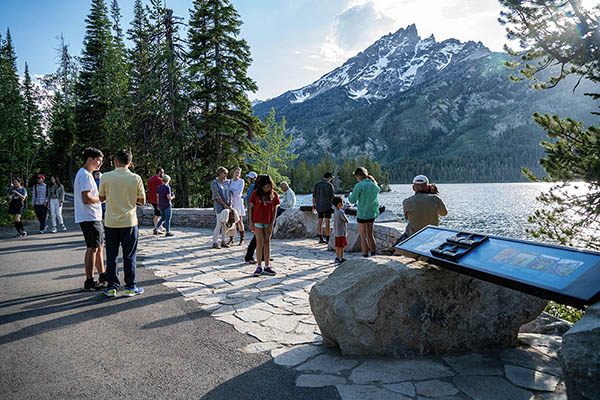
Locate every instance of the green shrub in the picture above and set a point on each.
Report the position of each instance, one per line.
(7, 220)
(562, 311)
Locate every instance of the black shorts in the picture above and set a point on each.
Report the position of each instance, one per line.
(365, 221)
(156, 210)
(16, 207)
(93, 233)
(325, 214)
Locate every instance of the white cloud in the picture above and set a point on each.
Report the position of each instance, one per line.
(310, 68)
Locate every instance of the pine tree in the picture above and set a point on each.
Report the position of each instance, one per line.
(272, 155)
(117, 117)
(62, 127)
(93, 89)
(11, 111)
(564, 34)
(33, 141)
(143, 91)
(219, 62)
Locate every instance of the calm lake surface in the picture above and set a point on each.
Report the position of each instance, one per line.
(493, 208)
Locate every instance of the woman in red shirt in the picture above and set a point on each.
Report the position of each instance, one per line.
(263, 210)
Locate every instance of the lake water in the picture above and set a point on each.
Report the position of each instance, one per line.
(494, 208)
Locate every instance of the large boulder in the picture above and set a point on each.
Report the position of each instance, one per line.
(580, 356)
(295, 223)
(400, 307)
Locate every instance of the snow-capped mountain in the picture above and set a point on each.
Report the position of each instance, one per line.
(418, 105)
(392, 65)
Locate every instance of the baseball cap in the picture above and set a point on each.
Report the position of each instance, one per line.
(251, 174)
(421, 179)
(41, 176)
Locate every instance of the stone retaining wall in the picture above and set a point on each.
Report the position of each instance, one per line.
(386, 233)
(195, 217)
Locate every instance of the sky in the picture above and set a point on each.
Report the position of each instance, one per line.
(293, 42)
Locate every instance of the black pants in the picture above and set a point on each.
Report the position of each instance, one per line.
(252, 245)
(41, 212)
(127, 239)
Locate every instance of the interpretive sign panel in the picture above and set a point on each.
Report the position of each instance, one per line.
(563, 274)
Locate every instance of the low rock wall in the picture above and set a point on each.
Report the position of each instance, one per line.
(292, 223)
(193, 217)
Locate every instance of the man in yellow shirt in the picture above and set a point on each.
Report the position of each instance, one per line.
(121, 189)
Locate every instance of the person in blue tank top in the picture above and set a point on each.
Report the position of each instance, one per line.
(364, 195)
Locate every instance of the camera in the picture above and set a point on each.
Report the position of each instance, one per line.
(432, 189)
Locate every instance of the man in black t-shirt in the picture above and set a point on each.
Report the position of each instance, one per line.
(323, 193)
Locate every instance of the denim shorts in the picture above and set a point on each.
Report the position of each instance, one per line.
(259, 225)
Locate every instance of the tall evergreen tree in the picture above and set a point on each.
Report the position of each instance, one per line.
(563, 34)
(62, 129)
(143, 91)
(11, 111)
(117, 118)
(218, 62)
(94, 79)
(33, 140)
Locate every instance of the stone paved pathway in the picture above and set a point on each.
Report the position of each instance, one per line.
(275, 310)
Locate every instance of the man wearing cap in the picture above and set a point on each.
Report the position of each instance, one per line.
(424, 207)
(288, 200)
(153, 184)
(40, 202)
(323, 193)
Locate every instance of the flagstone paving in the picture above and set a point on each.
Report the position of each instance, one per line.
(275, 310)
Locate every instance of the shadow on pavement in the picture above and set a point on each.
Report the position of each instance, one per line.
(268, 381)
(29, 299)
(109, 307)
(176, 320)
(47, 271)
(75, 244)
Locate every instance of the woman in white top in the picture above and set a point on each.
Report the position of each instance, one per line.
(236, 187)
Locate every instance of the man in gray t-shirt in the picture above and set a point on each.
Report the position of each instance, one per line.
(221, 196)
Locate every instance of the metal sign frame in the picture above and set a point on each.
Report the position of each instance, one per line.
(515, 283)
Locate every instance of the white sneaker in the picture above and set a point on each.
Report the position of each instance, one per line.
(54, 230)
(64, 228)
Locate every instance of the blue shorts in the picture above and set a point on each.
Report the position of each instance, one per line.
(261, 226)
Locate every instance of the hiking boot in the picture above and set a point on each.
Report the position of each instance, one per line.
(216, 246)
(258, 271)
(231, 240)
(223, 244)
(110, 292)
(269, 271)
(54, 230)
(133, 291)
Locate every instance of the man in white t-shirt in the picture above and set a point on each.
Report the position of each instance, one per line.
(88, 214)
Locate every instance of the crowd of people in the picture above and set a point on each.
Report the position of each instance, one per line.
(105, 209)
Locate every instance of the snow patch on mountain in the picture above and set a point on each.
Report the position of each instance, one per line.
(391, 65)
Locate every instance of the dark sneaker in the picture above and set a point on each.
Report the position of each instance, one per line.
(269, 271)
(90, 285)
(23, 234)
(110, 292)
(343, 260)
(133, 291)
(337, 261)
(321, 240)
(102, 278)
(169, 234)
(258, 271)
(223, 244)
(155, 231)
(250, 260)
(216, 246)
